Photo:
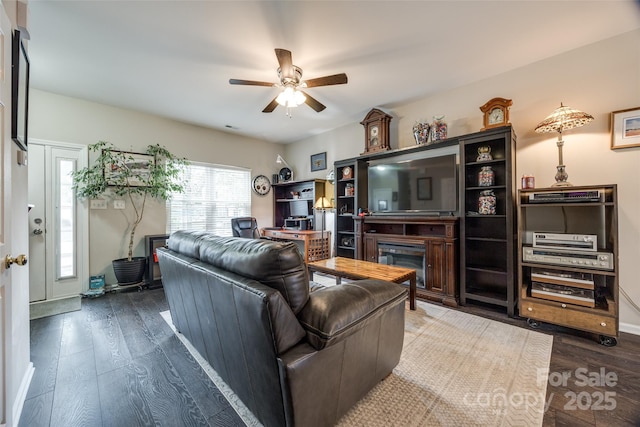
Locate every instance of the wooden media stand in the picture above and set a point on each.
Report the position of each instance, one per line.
(430, 243)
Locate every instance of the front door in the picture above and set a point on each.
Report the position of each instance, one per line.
(57, 223)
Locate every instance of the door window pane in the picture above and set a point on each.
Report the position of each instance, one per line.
(65, 218)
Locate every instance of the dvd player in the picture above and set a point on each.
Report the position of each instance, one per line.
(566, 196)
(578, 242)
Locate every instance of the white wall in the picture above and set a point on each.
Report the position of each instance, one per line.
(58, 118)
(598, 79)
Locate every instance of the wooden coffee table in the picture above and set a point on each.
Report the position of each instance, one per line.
(356, 269)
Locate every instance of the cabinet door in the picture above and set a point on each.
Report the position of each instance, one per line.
(436, 266)
(370, 249)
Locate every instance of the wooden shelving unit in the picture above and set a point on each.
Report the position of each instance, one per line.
(347, 204)
(583, 217)
(488, 242)
(308, 191)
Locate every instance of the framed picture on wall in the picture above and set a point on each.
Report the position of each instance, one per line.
(129, 169)
(424, 189)
(625, 128)
(318, 161)
(19, 92)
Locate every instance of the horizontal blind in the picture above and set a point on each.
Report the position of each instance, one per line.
(213, 195)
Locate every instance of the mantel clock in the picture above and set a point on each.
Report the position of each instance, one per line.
(376, 131)
(495, 113)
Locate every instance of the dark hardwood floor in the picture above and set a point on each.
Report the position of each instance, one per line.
(117, 363)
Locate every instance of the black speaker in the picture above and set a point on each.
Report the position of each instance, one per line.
(274, 178)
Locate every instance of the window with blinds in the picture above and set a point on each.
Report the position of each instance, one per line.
(213, 195)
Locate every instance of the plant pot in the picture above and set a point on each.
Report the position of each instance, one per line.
(129, 272)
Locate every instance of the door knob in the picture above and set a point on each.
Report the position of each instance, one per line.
(37, 231)
(20, 260)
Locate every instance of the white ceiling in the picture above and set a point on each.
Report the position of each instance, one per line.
(175, 58)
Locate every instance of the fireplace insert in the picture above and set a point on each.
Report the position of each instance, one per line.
(405, 255)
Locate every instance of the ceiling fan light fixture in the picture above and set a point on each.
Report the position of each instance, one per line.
(291, 82)
(290, 97)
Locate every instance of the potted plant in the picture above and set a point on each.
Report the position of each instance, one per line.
(136, 177)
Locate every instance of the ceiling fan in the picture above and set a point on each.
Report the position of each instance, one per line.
(292, 84)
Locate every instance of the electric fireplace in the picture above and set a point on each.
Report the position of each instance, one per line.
(405, 255)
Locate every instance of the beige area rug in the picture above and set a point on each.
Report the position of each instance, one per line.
(456, 369)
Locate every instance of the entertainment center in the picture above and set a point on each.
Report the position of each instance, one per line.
(418, 207)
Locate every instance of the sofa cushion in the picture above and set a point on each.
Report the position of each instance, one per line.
(278, 265)
(336, 312)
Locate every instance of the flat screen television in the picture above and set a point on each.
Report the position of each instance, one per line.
(411, 184)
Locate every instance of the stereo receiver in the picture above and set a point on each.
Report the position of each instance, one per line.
(578, 242)
(594, 260)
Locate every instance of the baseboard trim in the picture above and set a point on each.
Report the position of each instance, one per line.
(630, 328)
(22, 393)
(47, 308)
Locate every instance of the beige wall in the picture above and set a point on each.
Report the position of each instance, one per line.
(63, 119)
(598, 79)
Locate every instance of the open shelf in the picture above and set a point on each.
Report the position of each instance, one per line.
(594, 218)
(488, 241)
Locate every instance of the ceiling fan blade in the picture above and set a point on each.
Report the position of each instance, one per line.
(286, 64)
(313, 103)
(272, 106)
(249, 82)
(336, 79)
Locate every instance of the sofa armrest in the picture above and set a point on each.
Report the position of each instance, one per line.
(334, 313)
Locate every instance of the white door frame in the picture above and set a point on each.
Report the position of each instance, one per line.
(82, 217)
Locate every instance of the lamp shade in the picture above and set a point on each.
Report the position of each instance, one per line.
(563, 118)
(323, 203)
(280, 160)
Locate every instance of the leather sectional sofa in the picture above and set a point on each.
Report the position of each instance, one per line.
(295, 357)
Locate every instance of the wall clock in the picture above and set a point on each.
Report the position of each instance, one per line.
(261, 185)
(285, 174)
(376, 131)
(495, 113)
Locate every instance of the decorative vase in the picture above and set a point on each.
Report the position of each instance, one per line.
(484, 154)
(349, 190)
(487, 203)
(438, 129)
(421, 132)
(486, 177)
(129, 272)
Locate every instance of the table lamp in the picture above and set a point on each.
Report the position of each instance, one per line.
(563, 118)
